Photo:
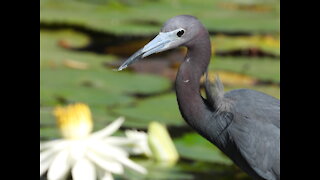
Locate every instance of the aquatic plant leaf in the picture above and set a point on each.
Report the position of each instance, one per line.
(54, 70)
(193, 146)
(262, 69)
(265, 43)
(108, 18)
(53, 92)
(184, 170)
(163, 108)
(158, 171)
(54, 52)
(230, 78)
(47, 133)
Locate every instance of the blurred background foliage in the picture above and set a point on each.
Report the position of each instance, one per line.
(83, 41)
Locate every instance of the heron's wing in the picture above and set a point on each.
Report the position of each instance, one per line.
(256, 130)
(215, 95)
(259, 144)
(260, 106)
(256, 105)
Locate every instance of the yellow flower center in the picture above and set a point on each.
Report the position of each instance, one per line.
(74, 121)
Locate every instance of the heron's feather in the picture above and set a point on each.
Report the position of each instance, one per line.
(215, 95)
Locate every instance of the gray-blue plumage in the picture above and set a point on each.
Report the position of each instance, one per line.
(249, 124)
(243, 123)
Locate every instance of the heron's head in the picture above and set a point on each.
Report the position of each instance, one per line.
(177, 31)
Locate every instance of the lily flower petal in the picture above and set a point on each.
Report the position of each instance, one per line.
(102, 173)
(49, 144)
(83, 170)
(107, 176)
(110, 129)
(106, 164)
(49, 152)
(88, 156)
(107, 150)
(141, 145)
(127, 162)
(60, 166)
(45, 155)
(45, 163)
(119, 141)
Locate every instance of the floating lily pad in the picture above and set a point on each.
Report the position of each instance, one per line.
(105, 79)
(184, 171)
(48, 133)
(95, 85)
(163, 109)
(65, 38)
(123, 17)
(193, 146)
(267, 43)
(70, 86)
(230, 78)
(46, 117)
(55, 74)
(54, 55)
(48, 125)
(157, 171)
(265, 69)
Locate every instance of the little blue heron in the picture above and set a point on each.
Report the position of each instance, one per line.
(242, 123)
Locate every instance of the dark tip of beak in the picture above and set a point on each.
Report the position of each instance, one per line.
(123, 66)
(136, 56)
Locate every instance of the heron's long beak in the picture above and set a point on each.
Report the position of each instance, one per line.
(160, 43)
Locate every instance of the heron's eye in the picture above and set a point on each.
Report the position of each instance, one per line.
(180, 33)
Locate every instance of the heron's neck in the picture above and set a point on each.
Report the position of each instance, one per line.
(191, 104)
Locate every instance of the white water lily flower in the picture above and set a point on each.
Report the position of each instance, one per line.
(87, 156)
(141, 145)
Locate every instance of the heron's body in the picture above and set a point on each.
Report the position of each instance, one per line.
(243, 123)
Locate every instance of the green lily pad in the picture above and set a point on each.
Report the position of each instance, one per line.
(163, 108)
(56, 75)
(69, 86)
(183, 171)
(53, 52)
(268, 44)
(99, 87)
(48, 133)
(48, 125)
(193, 146)
(261, 68)
(46, 117)
(123, 17)
(117, 82)
(157, 171)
